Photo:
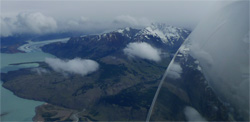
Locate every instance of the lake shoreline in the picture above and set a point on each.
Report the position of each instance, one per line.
(18, 108)
(12, 59)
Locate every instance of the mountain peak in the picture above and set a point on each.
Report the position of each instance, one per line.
(123, 30)
(167, 34)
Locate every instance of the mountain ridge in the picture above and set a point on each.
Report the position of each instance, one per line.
(114, 40)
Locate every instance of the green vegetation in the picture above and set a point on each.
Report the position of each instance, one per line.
(121, 89)
(117, 85)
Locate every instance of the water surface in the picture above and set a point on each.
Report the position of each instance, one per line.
(18, 109)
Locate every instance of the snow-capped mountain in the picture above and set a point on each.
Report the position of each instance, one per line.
(158, 35)
(161, 36)
(166, 34)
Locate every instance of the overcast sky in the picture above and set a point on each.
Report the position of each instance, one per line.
(101, 15)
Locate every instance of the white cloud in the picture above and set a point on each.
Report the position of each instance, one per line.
(79, 24)
(204, 56)
(169, 11)
(175, 71)
(127, 20)
(89, 25)
(6, 27)
(142, 50)
(77, 65)
(192, 114)
(38, 23)
(83, 19)
(26, 23)
(40, 71)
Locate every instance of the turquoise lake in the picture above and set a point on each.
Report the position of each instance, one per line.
(18, 109)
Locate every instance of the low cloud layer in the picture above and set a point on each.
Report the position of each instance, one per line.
(27, 23)
(142, 50)
(40, 24)
(172, 12)
(192, 114)
(175, 71)
(125, 20)
(76, 66)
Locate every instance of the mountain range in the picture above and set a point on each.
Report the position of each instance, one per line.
(167, 38)
(121, 89)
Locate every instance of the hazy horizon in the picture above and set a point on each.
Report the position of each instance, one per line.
(42, 17)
